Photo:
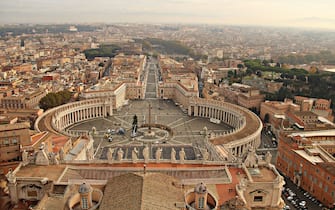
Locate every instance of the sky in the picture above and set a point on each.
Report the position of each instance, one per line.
(282, 13)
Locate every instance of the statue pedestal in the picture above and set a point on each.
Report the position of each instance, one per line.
(149, 134)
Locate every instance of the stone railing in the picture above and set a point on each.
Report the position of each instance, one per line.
(68, 114)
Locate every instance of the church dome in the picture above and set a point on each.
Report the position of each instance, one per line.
(200, 188)
(84, 188)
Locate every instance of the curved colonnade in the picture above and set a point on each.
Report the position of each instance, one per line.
(72, 113)
(246, 125)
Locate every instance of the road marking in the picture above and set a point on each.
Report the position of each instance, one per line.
(119, 120)
(184, 123)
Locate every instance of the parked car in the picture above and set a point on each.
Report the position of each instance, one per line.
(302, 203)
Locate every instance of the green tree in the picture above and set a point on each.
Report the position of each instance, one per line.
(55, 99)
(230, 73)
(240, 66)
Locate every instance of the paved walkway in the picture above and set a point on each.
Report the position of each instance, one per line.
(151, 82)
(186, 129)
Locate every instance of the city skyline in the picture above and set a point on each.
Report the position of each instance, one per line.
(308, 14)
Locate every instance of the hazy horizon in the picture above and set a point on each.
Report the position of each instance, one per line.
(284, 13)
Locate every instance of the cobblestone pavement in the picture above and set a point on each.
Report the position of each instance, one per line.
(186, 129)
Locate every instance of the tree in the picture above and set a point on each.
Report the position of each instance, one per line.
(240, 66)
(265, 63)
(55, 99)
(230, 73)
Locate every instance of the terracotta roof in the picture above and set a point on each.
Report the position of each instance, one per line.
(53, 172)
(141, 191)
(223, 189)
(58, 142)
(37, 137)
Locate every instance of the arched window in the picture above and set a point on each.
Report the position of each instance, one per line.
(84, 203)
(201, 203)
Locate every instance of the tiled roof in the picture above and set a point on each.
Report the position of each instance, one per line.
(141, 191)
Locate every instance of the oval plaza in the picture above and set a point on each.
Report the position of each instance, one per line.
(176, 151)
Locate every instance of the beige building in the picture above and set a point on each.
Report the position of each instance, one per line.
(250, 98)
(275, 110)
(320, 107)
(243, 95)
(11, 137)
(23, 100)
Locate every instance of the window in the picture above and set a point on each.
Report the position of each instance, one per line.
(326, 188)
(14, 141)
(320, 184)
(84, 203)
(201, 202)
(32, 193)
(6, 142)
(258, 198)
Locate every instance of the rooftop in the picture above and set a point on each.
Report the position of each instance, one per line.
(144, 191)
(52, 172)
(262, 174)
(311, 158)
(315, 133)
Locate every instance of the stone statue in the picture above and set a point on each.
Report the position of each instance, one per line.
(182, 155)
(61, 154)
(146, 153)
(94, 130)
(110, 154)
(53, 158)
(89, 154)
(25, 158)
(120, 154)
(134, 154)
(158, 153)
(252, 158)
(268, 157)
(173, 154)
(205, 130)
(11, 177)
(205, 155)
(42, 158)
(243, 183)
